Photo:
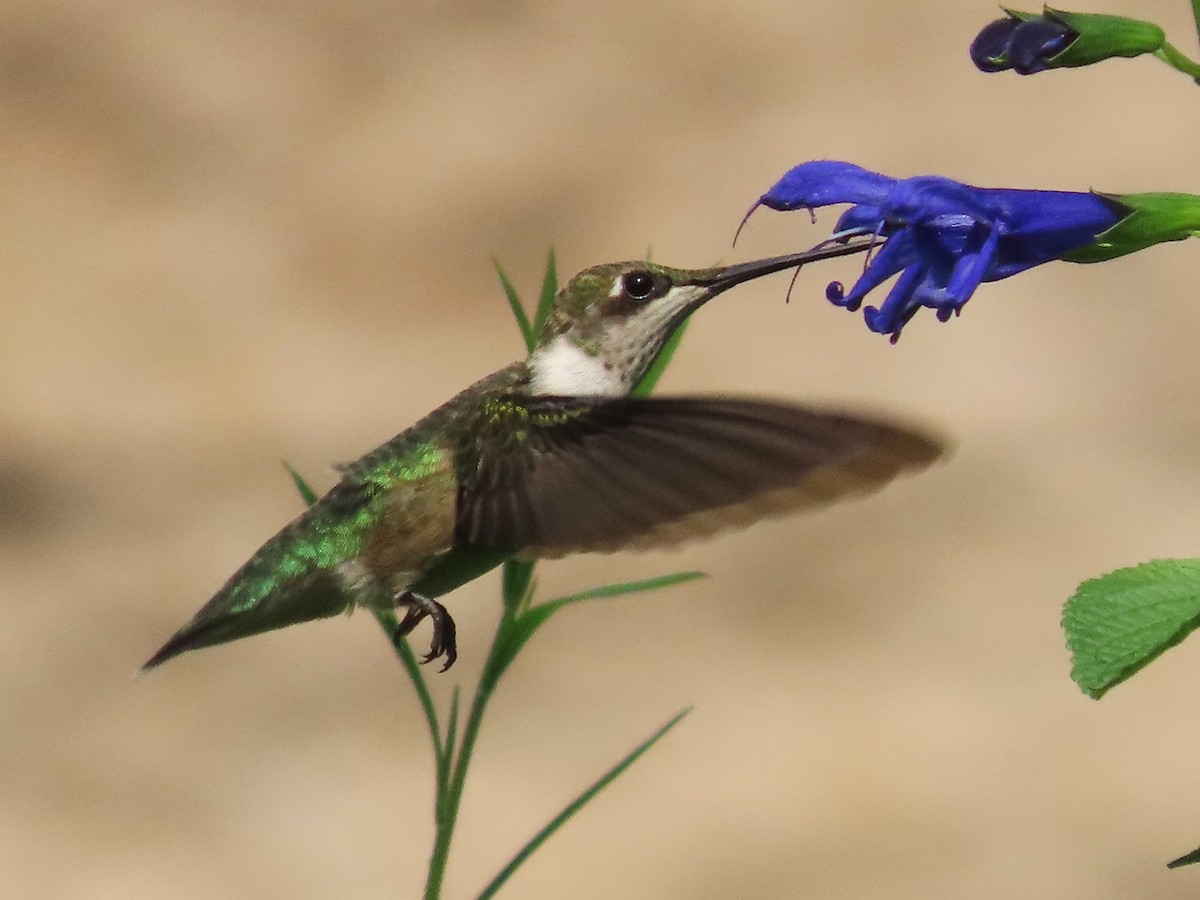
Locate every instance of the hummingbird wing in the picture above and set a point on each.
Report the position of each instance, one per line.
(602, 474)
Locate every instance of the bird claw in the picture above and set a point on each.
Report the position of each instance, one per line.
(443, 643)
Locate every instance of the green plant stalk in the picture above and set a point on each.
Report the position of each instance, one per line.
(388, 622)
(577, 804)
(518, 621)
(442, 750)
(1171, 55)
(458, 763)
(1196, 15)
(453, 762)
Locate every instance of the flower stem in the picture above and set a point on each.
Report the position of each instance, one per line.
(1171, 55)
(1196, 15)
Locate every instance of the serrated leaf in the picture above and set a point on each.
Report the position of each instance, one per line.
(577, 804)
(528, 335)
(1120, 622)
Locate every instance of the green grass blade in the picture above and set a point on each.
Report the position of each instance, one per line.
(518, 579)
(528, 335)
(546, 299)
(446, 760)
(516, 633)
(650, 379)
(624, 588)
(1120, 622)
(404, 652)
(577, 804)
(388, 622)
(306, 492)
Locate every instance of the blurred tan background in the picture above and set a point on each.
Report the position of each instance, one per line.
(238, 232)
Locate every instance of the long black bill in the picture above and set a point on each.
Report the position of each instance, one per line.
(718, 280)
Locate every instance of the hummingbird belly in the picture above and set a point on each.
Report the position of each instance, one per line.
(413, 529)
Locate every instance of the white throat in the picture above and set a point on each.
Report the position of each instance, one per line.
(563, 369)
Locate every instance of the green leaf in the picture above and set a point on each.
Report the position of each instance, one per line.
(624, 588)
(1120, 622)
(520, 629)
(404, 652)
(650, 379)
(457, 567)
(546, 299)
(445, 759)
(518, 580)
(577, 804)
(389, 623)
(1196, 14)
(306, 492)
(1186, 860)
(531, 330)
(528, 335)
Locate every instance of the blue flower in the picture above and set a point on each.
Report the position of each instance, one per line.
(1056, 39)
(942, 237)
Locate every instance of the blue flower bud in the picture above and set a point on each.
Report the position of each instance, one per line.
(1029, 43)
(1025, 46)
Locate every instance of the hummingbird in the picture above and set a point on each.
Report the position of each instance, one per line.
(550, 456)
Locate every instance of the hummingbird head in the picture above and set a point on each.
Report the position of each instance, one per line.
(610, 321)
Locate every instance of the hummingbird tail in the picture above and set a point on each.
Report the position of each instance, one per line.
(283, 584)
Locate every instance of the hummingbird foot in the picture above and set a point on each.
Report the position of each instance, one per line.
(443, 642)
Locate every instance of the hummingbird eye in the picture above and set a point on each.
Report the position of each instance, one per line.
(638, 285)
